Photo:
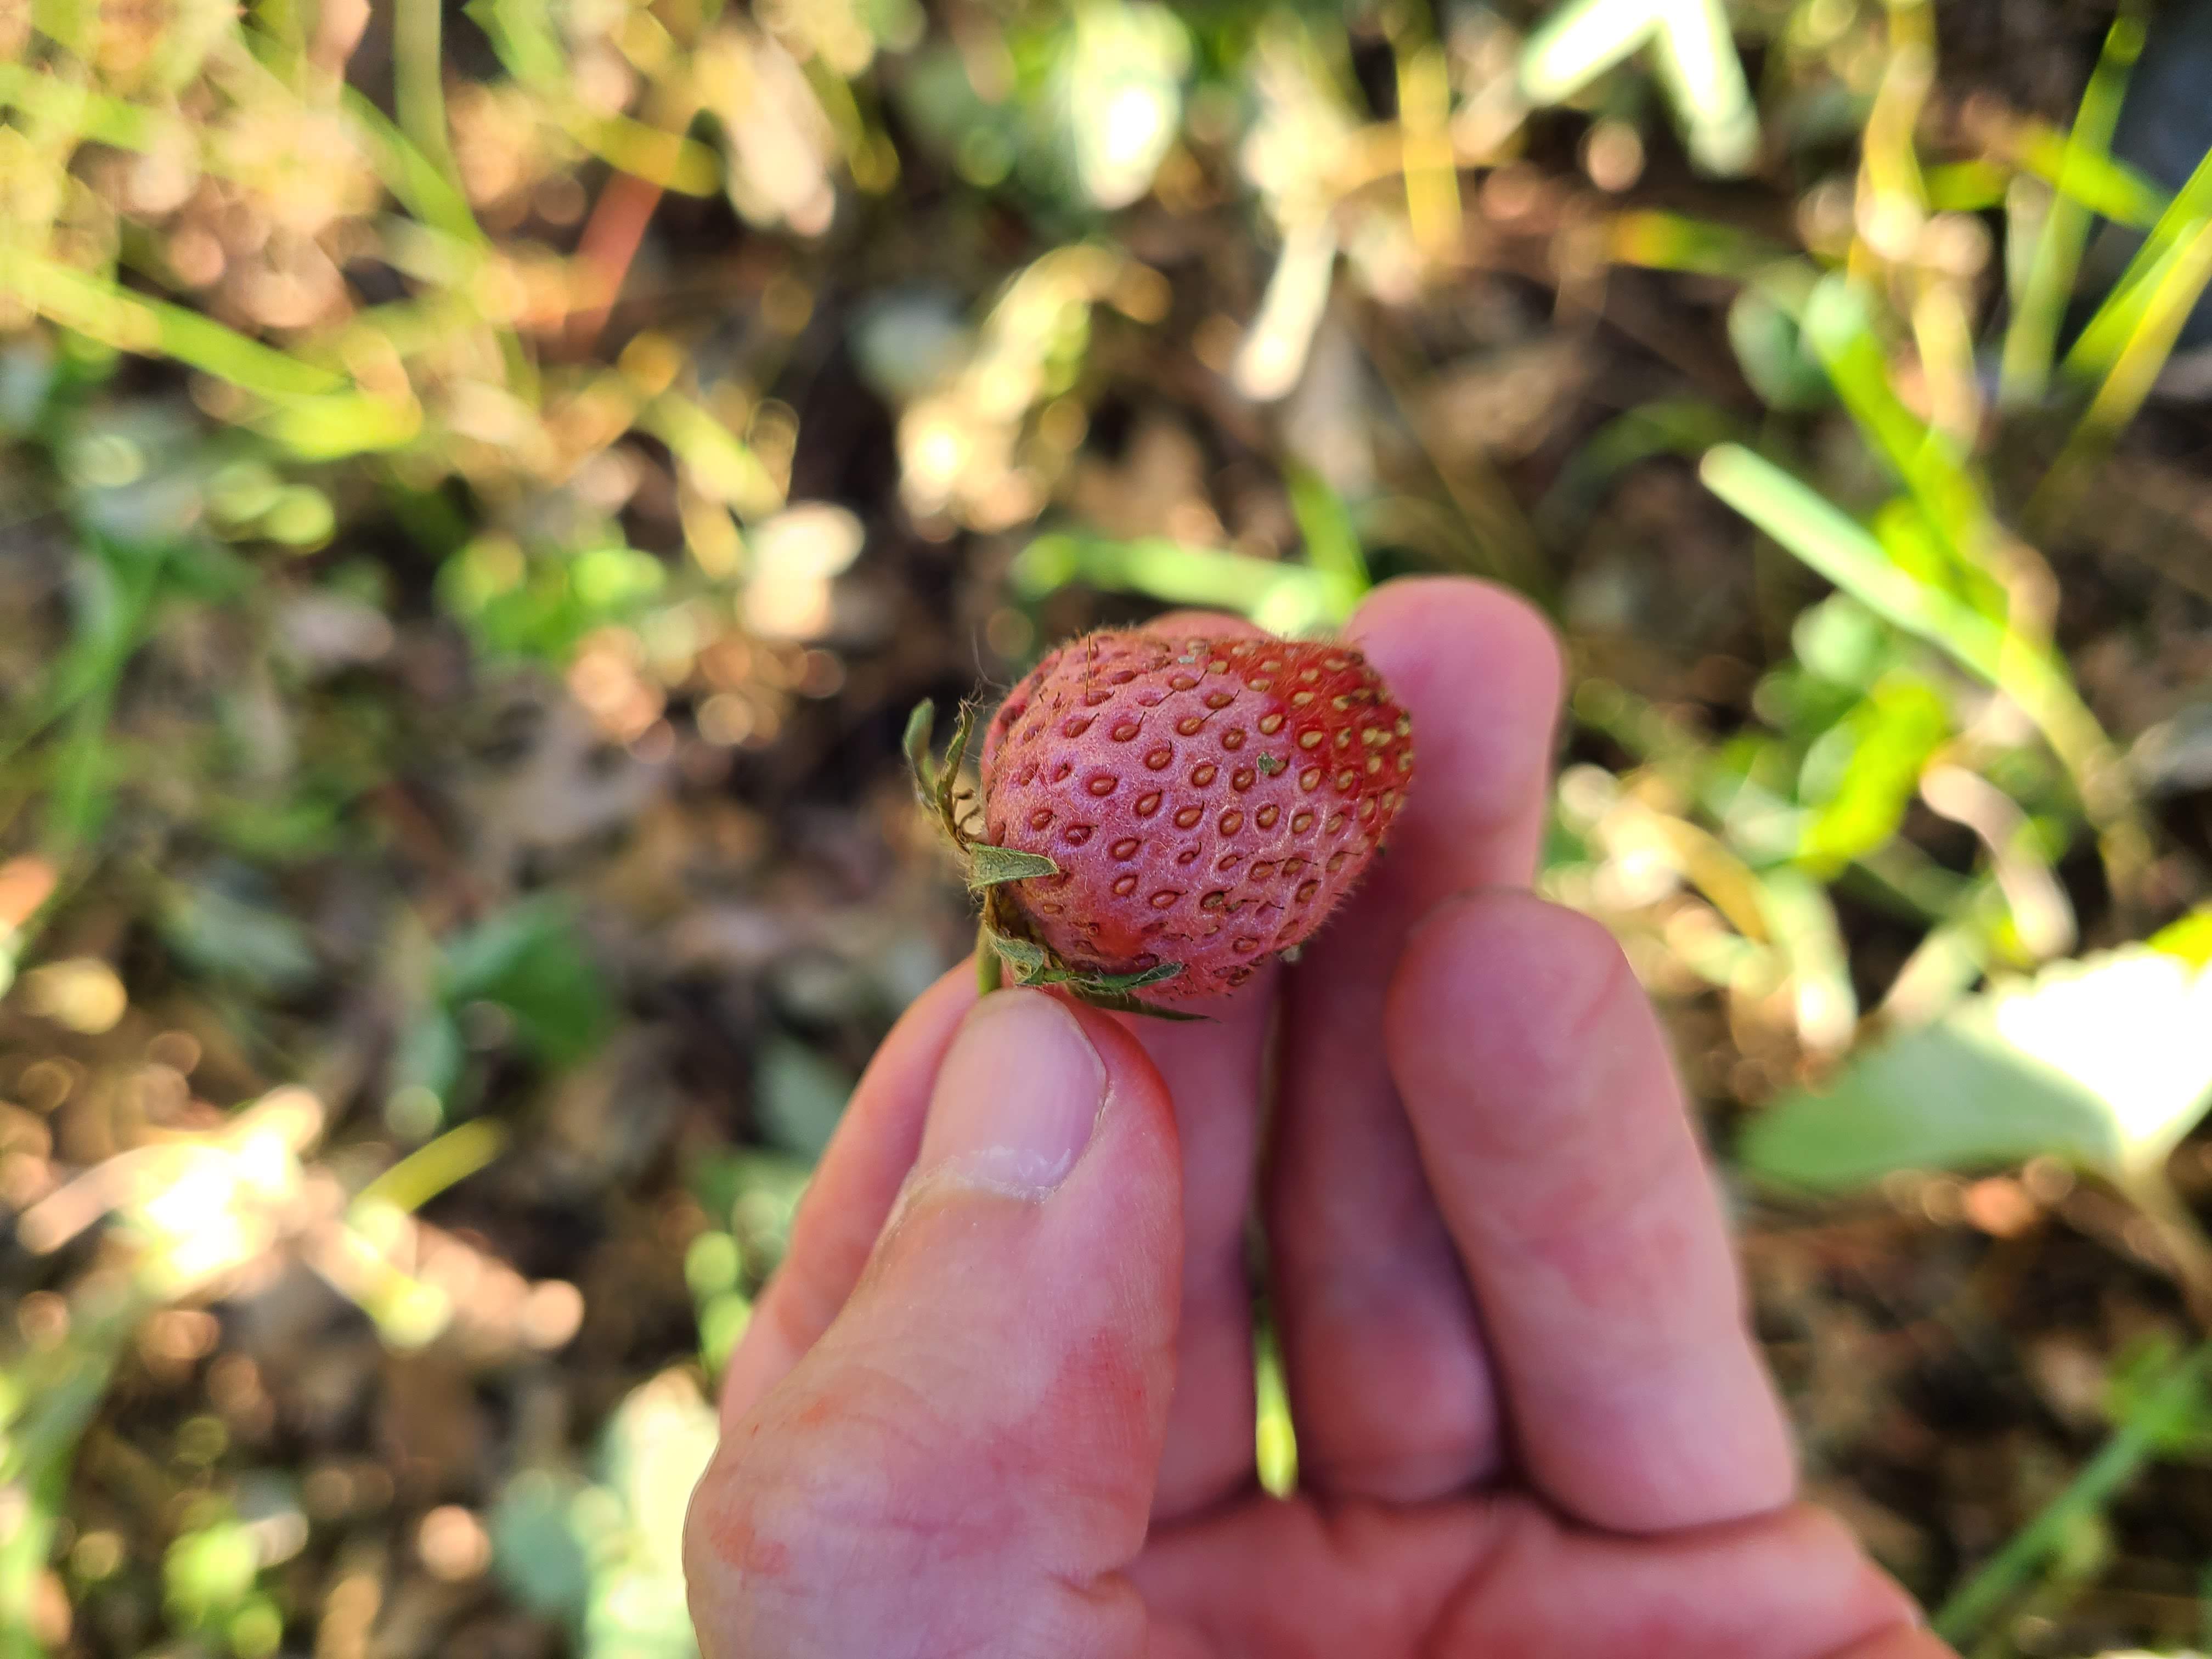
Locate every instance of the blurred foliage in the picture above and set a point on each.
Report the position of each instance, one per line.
(431, 431)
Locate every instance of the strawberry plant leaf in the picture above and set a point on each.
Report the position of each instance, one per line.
(2101, 1061)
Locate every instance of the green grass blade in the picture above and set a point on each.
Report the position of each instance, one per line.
(2033, 338)
(417, 180)
(2167, 308)
(1287, 599)
(1840, 330)
(418, 81)
(1333, 547)
(2121, 1458)
(106, 312)
(2121, 314)
(2101, 183)
(1847, 554)
(1581, 41)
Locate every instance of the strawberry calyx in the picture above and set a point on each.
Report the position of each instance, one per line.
(1005, 944)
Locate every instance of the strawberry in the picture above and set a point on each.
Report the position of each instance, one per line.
(1200, 804)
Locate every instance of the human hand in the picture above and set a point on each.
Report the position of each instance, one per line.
(998, 1399)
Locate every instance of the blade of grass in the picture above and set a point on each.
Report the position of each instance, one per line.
(1678, 241)
(1286, 598)
(418, 83)
(75, 794)
(1840, 330)
(2030, 342)
(93, 115)
(44, 1407)
(1844, 551)
(2121, 313)
(2133, 1445)
(2173, 296)
(422, 185)
(1333, 547)
(1581, 41)
(1892, 199)
(1693, 49)
(105, 312)
(2101, 183)
(1931, 463)
(429, 1170)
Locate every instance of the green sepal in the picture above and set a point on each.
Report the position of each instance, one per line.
(1035, 965)
(1121, 1002)
(1031, 962)
(1002, 938)
(919, 725)
(988, 866)
(1136, 981)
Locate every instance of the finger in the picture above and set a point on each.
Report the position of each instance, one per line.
(1555, 1138)
(1214, 1076)
(1501, 1577)
(1900, 1642)
(849, 1196)
(978, 1429)
(1789, 1585)
(1382, 1351)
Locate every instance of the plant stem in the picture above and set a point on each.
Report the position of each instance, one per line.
(418, 83)
(990, 972)
(2118, 1461)
(2188, 1251)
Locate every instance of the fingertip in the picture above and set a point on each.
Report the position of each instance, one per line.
(1545, 981)
(1420, 624)
(1480, 670)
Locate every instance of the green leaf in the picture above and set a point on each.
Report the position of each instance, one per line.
(2101, 1061)
(2190, 940)
(1863, 772)
(530, 960)
(229, 937)
(1844, 551)
(798, 1096)
(1772, 350)
(989, 866)
(206, 1573)
(535, 1549)
(1137, 980)
(430, 1054)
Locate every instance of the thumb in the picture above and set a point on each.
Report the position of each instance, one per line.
(965, 1459)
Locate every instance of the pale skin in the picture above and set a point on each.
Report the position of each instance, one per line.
(997, 1400)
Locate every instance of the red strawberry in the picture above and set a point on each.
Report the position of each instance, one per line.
(1208, 801)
